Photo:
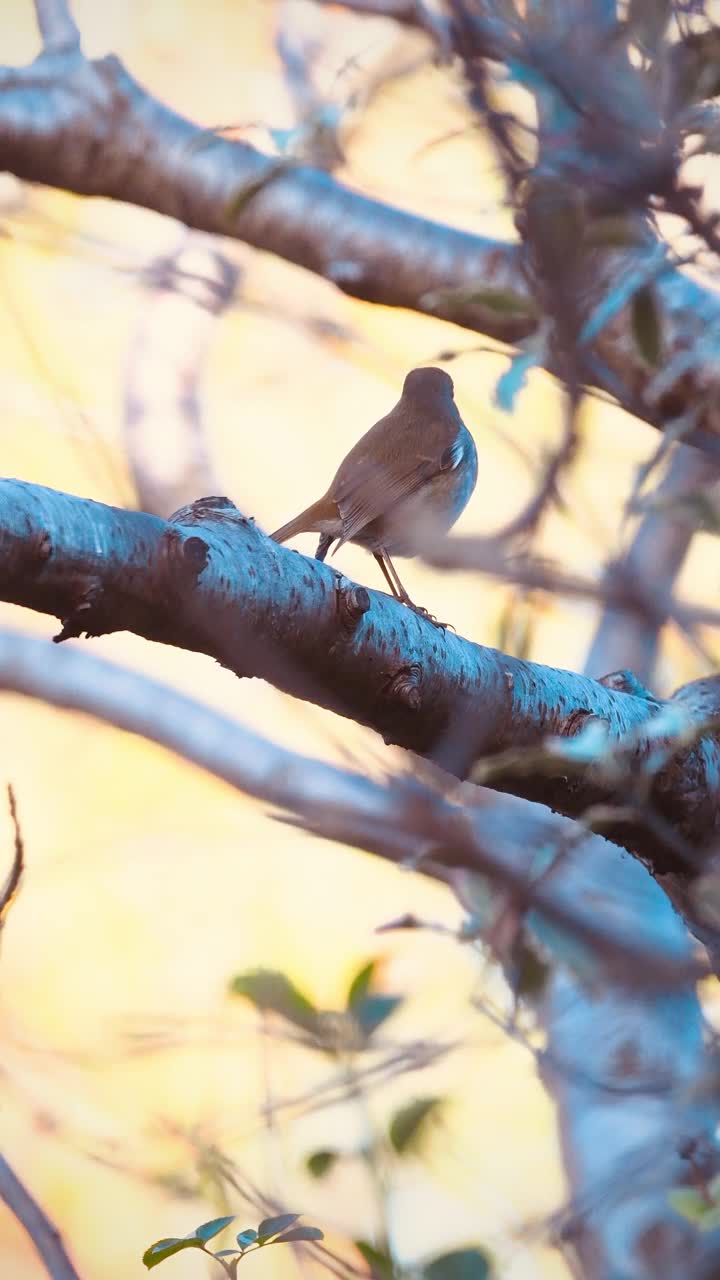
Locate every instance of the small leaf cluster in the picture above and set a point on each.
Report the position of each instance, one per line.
(471, 1263)
(277, 1230)
(350, 1029)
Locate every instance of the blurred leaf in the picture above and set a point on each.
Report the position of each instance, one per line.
(379, 1262)
(499, 301)
(512, 381)
(648, 20)
(616, 231)
(462, 1264)
(407, 1125)
(226, 1253)
(300, 1233)
(246, 1237)
(361, 983)
(646, 324)
(695, 63)
(529, 971)
(321, 1162)
(371, 1012)
(698, 509)
(701, 1206)
(213, 1228)
(688, 1202)
(270, 990)
(163, 1249)
(273, 1226)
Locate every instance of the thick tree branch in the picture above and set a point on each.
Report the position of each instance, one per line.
(621, 1221)
(121, 142)
(210, 580)
(43, 1233)
(405, 820)
(88, 127)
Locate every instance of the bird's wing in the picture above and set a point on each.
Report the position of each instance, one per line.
(366, 489)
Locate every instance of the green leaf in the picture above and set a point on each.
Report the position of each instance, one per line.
(695, 64)
(688, 1202)
(462, 1264)
(273, 1226)
(213, 1228)
(407, 1125)
(371, 1012)
(379, 1262)
(646, 324)
(300, 1233)
(321, 1162)
(700, 1207)
(247, 1237)
(512, 381)
(163, 1249)
(361, 983)
(272, 991)
(528, 971)
(615, 231)
(500, 301)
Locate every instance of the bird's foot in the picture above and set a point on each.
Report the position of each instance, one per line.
(424, 613)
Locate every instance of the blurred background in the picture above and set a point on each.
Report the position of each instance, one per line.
(129, 1072)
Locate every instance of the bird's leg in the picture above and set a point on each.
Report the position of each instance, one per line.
(392, 578)
(324, 545)
(380, 557)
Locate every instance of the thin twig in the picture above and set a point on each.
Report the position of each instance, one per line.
(59, 31)
(12, 884)
(43, 1233)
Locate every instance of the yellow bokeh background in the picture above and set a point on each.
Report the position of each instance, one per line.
(149, 884)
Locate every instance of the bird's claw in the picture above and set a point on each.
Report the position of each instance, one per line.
(424, 613)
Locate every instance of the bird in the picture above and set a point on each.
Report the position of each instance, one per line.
(415, 468)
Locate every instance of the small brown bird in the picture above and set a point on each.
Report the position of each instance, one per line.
(417, 466)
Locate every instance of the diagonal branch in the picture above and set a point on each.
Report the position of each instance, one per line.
(209, 580)
(43, 1233)
(406, 821)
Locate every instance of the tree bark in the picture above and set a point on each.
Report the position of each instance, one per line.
(211, 581)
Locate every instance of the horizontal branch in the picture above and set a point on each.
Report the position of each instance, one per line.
(211, 581)
(409, 822)
(89, 127)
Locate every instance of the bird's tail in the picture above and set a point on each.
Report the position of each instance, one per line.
(313, 520)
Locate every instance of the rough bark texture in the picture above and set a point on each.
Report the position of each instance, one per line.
(211, 581)
(634, 1126)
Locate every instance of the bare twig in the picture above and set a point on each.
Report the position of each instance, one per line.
(58, 29)
(164, 429)
(12, 884)
(43, 1233)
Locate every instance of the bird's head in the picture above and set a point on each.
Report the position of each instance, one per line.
(428, 384)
